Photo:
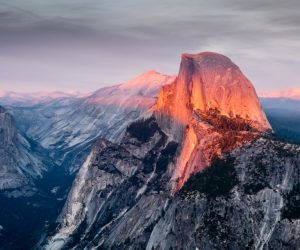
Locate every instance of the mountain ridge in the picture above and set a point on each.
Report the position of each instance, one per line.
(124, 198)
(68, 126)
(293, 94)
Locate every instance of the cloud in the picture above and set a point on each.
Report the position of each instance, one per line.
(86, 44)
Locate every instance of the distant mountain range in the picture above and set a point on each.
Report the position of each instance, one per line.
(284, 115)
(285, 94)
(29, 99)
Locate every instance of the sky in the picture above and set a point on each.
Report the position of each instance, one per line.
(83, 45)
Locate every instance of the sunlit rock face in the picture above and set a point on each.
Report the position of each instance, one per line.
(212, 81)
(212, 107)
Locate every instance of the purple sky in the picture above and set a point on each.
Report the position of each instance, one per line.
(86, 44)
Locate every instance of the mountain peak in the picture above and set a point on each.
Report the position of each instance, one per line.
(207, 60)
(149, 81)
(213, 108)
(151, 72)
(209, 81)
(206, 57)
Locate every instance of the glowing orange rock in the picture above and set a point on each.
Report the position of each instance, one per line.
(212, 107)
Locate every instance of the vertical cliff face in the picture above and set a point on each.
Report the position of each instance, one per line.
(209, 81)
(8, 129)
(19, 163)
(212, 107)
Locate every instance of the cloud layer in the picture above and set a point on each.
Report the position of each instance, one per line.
(84, 45)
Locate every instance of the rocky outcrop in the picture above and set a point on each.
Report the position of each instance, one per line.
(20, 162)
(210, 81)
(212, 108)
(237, 203)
